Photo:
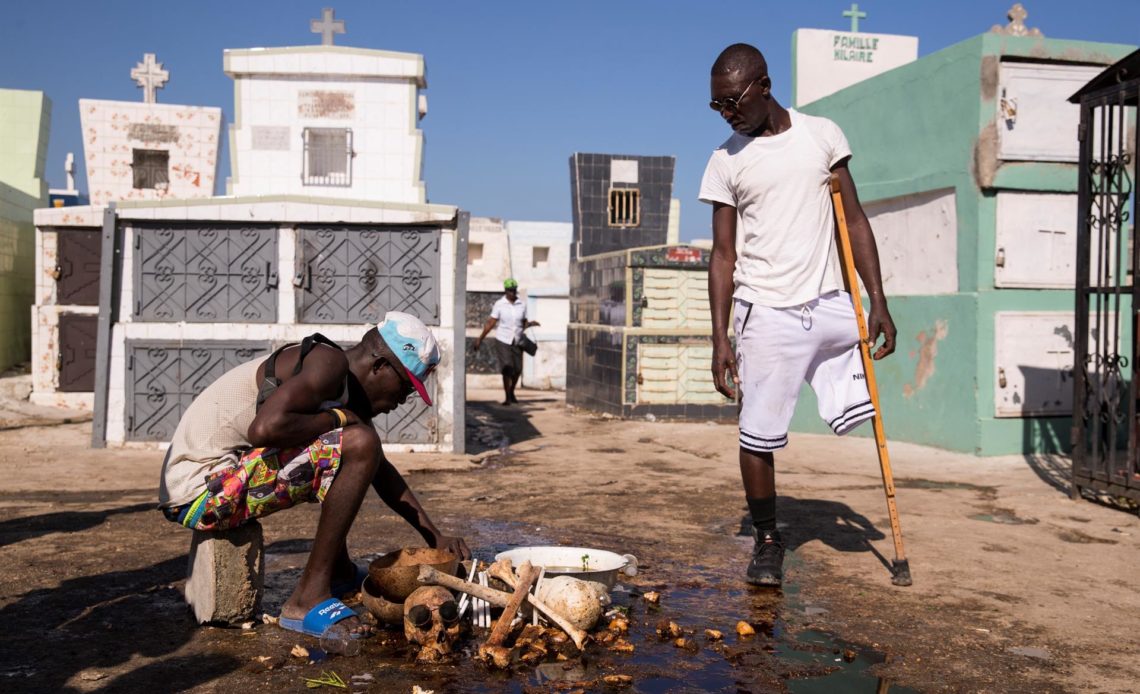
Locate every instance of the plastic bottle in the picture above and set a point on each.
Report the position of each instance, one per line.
(338, 640)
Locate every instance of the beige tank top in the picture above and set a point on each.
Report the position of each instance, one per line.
(211, 434)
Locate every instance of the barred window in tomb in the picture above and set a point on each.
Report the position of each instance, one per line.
(625, 207)
(151, 168)
(474, 253)
(540, 256)
(328, 157)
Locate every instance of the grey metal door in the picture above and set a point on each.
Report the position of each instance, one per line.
(353, 275)
(164, 377)
(205, 274)
(76, 362)
(77, 267)
(412, 422)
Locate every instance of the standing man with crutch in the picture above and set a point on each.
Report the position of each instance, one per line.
(781, 275)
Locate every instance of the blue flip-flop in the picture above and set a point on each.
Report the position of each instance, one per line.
(320, 618)
(341, 588)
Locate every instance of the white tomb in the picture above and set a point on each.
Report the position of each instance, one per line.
(825, 61)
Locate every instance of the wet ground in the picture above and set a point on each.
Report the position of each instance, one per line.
(777, 657)
(1017, 588)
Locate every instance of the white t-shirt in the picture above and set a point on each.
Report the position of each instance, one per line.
(511, 317)
(785, 232)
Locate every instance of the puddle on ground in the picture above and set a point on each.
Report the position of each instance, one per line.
(695, 597)
(932, 485)
(1004, 517)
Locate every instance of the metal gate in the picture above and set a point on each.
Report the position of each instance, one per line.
(1106, 427)
(77, 267)
(357, 275)
(205, 274)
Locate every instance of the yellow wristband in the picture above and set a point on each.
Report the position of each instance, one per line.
(341, 418)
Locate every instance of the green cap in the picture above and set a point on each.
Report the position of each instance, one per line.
(510, 283)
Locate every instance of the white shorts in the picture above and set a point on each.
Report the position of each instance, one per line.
(777, 349)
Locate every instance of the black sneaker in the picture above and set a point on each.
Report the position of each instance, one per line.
(767, 565)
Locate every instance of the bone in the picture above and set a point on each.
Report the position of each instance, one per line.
(493, 649)
(505, 572)
(499, 598)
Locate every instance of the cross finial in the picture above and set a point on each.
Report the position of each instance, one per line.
(855, 16)
(1016, 26)
(326, 26)
(150, 76)
(69, 169)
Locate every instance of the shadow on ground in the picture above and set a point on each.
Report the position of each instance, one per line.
(492, 426)
(30, 527)
(833, 523)
(91, 624)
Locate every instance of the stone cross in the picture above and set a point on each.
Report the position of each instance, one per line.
(1016, 26)
(855, 16)
(326, 26)
(150, 76)
(69, 169)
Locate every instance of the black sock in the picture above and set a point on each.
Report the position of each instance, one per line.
(763, 511)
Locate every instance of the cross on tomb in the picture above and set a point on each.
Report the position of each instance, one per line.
(1016, 27)
(1058, 251)
(326, 26)
(150, 76)
(855, 16)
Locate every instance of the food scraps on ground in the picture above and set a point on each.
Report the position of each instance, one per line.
(686, 644)
(745, 629)
(618, 680)
(668, 629)
(299, 651)
(652, 597)
(713, 635)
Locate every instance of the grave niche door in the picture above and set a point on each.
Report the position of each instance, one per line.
(78, 255)
(356, 275)
(76, 364)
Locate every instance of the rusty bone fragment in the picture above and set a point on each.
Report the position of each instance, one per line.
(499, 598)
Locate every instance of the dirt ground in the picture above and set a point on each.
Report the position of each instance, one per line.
(1017, 588)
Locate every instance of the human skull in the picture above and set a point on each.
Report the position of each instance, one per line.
(431, 620)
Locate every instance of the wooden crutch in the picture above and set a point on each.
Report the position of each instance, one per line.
(900, 568)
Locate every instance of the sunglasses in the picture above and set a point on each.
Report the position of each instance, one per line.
(420, 615)
(409, 388)
(731, 103)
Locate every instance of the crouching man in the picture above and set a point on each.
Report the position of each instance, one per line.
(297, 427)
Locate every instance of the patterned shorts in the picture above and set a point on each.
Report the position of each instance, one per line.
(260, 484)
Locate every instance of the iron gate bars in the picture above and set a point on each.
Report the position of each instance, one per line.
(1105, 426)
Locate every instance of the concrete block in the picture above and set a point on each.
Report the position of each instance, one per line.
(227, 574)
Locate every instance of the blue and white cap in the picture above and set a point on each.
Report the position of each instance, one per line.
(413, 344)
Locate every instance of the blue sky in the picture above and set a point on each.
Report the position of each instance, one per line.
(514, 87)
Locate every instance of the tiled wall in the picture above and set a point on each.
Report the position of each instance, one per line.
(597, 290)
(590, 185)
(594, 368)
(112, 129)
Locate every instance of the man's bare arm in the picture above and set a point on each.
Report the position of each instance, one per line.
(866, 255)
(487, 327)
(398, 496)
(722, 263)
(292, 415)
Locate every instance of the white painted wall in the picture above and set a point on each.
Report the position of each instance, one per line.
(488, 255)
(826, 61)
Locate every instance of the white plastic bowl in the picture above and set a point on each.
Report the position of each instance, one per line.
(580, 562)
